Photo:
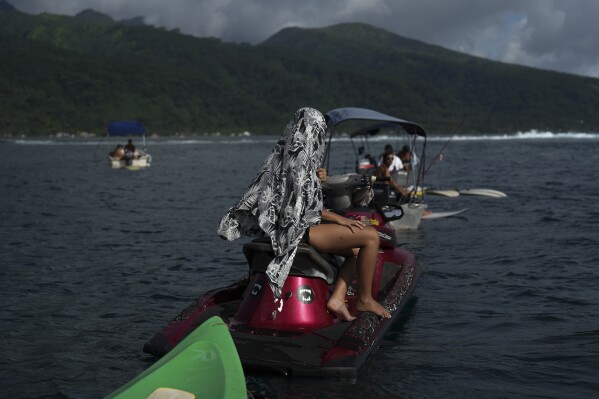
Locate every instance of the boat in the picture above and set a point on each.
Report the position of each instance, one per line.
(203, 365)
(370, 124)
(295, 334)
(120, 158)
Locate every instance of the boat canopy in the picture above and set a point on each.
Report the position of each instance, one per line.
(126, 128)
(340, 115)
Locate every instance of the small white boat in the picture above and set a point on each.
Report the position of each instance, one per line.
(128, 157)
(139, 160)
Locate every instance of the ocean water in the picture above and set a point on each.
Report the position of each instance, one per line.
(95, 261)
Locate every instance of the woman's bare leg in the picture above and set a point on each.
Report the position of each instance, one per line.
(365, 302)
(337, 239)
(336, 303)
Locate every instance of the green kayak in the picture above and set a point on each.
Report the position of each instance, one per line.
(204, 365)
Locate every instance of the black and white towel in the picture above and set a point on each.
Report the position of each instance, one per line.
(285, 198)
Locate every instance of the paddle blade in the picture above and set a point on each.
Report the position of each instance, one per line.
(484, 192)
(444, 193)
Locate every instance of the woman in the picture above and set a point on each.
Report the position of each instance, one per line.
(284, 202)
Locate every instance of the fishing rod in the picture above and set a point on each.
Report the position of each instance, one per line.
(443, 148)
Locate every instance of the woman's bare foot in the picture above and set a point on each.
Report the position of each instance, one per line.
(372, 306)
(339, 309)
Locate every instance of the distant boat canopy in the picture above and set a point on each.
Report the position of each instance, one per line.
(339, 115)
(376, 129)
(126, 128)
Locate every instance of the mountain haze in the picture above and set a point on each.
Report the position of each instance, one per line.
(61, 73)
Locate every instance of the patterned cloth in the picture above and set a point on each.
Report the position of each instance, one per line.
(285, 198)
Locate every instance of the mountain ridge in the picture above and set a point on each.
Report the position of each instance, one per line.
(179, 83)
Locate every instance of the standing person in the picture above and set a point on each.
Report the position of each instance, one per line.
(129, 152)
(284, 202)
(129, 147)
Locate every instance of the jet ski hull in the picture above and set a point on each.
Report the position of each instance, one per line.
(295, 334)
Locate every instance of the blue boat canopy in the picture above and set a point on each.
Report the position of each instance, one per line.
(126, 128)
(373, 130)
(340, 115)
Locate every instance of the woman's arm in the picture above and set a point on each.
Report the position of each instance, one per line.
(332, 217)
(321, 173)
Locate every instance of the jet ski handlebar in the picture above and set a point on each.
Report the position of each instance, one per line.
(340, 190)
(350, 181)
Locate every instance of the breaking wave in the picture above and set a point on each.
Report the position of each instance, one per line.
(248, 139)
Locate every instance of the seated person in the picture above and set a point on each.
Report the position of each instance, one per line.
(383, 171)
(118, 152)
(365, 162)
(396, 165)
(405, 155)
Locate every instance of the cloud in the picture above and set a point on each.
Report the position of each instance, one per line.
(549, 34)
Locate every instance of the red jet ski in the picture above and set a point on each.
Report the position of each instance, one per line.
(295, 334)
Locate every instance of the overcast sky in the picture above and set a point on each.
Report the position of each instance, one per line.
(559, 35)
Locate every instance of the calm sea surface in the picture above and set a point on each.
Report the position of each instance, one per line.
(95, 261)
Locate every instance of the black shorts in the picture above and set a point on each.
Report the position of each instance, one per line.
(306, 237)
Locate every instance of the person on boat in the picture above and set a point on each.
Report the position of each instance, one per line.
(405, 155)
(129, 152)
(384, 171)
(365, 163)
(285, 203)
(118, 152)
(130, 148)
(396, 166)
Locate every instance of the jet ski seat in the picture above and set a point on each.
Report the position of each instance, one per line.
(308, 262)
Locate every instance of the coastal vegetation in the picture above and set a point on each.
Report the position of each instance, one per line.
(76, 74)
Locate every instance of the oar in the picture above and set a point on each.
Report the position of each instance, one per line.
(439, 215)
(443, 193)
(483, 192)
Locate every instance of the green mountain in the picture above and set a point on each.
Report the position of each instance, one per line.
(438, 86)
(60, 73)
